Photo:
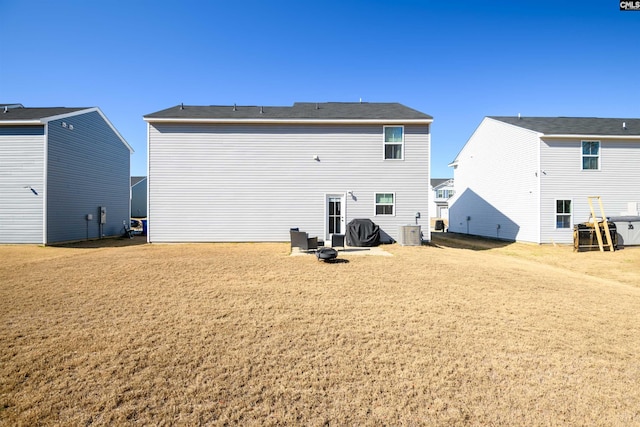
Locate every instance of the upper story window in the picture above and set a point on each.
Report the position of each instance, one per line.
(590, 155)
(444, 193)
(385, 203)
(393, 142)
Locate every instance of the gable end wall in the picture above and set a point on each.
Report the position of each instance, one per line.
(496, 184)
(88, 167)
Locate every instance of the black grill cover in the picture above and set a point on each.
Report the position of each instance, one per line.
(363, 232)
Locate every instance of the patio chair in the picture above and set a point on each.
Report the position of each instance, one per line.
(300, 239)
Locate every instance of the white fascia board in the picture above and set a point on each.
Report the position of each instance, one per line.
(46, 120)
(290, 121)
(591, 137)
(447, 183)
(21, 122)
(113, 128)
(65, 115)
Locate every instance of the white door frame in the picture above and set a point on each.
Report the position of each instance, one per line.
(343, 213)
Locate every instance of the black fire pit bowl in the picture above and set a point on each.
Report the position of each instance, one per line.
(326, 254)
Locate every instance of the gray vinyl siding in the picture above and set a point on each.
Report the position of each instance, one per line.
(15, 130)
(252, 183)
(617, 182)
(496, 183)
(88, 167)
(21, 166)
(139, 199)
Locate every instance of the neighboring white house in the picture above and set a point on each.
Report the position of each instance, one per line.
(249, 173)
(529, 178)
(442, 189)
(64, 175)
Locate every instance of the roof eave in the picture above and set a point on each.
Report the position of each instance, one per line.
(69, 114)
(29, 122)
(46, 120)
(446, 183)
(582, 136)
(286, 121)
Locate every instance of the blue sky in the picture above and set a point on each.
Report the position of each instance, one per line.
(455, 60)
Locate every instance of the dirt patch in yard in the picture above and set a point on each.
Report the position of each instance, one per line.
(459, 332)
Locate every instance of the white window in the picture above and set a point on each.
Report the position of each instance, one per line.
(590, 155)
(393, 142)
(563, 213)
(444, 194)
(385, 203)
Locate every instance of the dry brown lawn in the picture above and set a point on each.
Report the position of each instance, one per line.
(460, 332)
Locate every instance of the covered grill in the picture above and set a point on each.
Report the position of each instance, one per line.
(628, 229)
(363, 232)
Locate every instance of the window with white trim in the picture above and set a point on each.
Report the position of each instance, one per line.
(444, 193)
(563, 213)
(385, 203)
(393, 142)
(590, 155)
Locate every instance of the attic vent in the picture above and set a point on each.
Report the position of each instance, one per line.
(624, 125)
(261, 110)
(317, 106)
(182, 105)
(234, 107)
(6, 108)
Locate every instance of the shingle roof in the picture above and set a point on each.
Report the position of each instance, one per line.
(439, 181)
(299, 111)
(575, 125)
(21, 113)
(137, 179)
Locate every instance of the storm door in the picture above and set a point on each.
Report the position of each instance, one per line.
(335, 215)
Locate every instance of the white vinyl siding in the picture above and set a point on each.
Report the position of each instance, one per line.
(225, 182)
(21, 170)
(496, 184)
(617, 182)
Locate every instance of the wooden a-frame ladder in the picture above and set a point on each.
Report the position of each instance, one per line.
(597, 225)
